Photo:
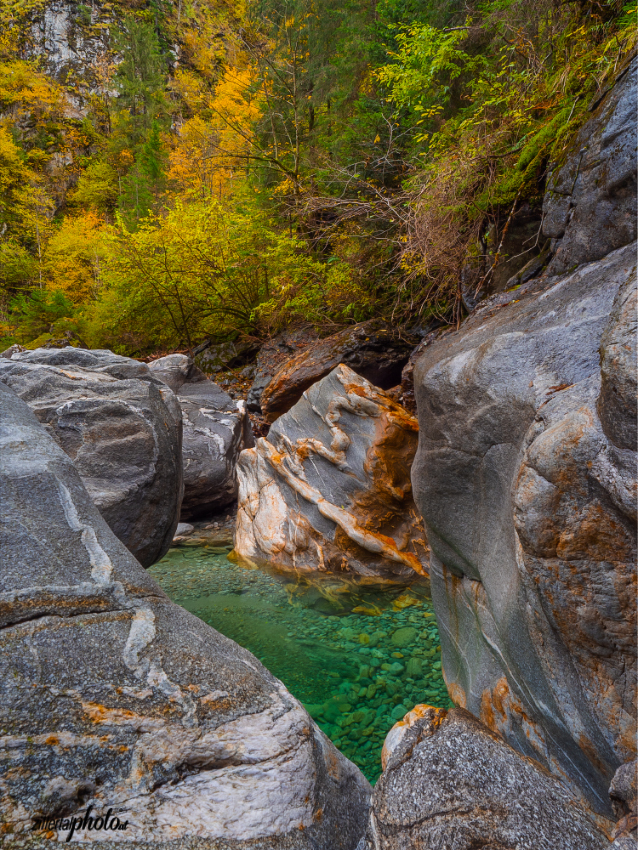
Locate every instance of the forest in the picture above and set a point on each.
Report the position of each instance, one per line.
(217, 170)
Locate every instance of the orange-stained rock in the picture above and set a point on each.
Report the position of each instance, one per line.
(396, 734)
(113, 697)
(329, 489)
(372, 349)
(526, 477)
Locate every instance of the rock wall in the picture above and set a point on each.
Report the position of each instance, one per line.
(123, 430)
(371, 349)
(529, 508)
(70, 38)
(526, 478)
(174, 724)
(590, 204)
(329, 488)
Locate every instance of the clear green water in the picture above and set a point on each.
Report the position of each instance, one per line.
(357, 657)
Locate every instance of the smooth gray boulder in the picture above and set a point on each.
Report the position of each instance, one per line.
(121, 427)
(216, 430)
(529, 507)
(329, 488)
(112, 696)
(589, 207)
(452, 784)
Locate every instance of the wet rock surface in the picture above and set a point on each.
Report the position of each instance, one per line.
(590, 203)
(529, 506)
(175, 724)
(329, 488)
(121, 427)
(216, 429)
(372, 349)
(452, 784)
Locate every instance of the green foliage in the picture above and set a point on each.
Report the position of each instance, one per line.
(424, 67)
(17, 265)
(33, 314)
(97, 188)
(203, 269)
(498, 100)
(141, 75)
(143, 185)
(629, 17)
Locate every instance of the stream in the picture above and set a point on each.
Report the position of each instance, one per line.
(358, 656)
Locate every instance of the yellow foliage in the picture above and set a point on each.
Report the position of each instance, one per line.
(210, 150)
(207, 35)
(192, 164)
(24, 89)
(23, 205)
(74, 256)
(13, 172)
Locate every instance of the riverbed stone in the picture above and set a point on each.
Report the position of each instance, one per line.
(528, 497)
(404, 637)
(450, 783)
(174, 724)
(329, 489)
(122, 428)
(216, 430)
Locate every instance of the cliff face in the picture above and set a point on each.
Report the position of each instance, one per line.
(525, 477)
(73, 42)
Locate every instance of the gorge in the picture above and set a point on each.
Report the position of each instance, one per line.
(340, 586)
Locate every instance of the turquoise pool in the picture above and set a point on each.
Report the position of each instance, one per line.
(358, 657)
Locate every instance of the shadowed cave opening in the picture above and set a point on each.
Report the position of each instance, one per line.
(357, 655)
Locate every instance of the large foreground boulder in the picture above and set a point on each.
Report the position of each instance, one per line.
(113, 697)
(452, 784)
(123, 430)
(329, 489)
(216, 429)
(526, 479)
(372, 349)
